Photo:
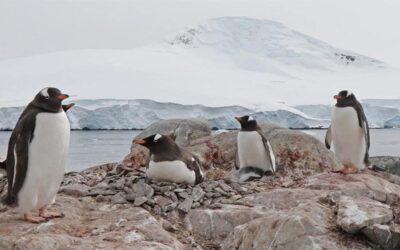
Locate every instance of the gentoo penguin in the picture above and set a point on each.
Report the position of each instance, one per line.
(349, 132)
(254, 156)
(36, 156)
(169, 162)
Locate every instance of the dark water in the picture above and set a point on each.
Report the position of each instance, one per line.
(383, 141)
(89, 148)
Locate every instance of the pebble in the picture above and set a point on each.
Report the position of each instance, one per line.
(164, 197)
(119, 198)
(186, 205)
(140, 201)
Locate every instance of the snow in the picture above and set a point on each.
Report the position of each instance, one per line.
(257, 64)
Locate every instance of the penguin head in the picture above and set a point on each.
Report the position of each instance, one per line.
(50, 99)
(248, 123)
(345, 98)
(157, 143)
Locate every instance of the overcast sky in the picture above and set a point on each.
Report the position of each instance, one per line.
(28, 27)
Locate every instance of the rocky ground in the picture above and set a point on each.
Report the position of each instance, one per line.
(305, 205)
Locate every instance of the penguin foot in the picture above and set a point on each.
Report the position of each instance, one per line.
(34, 219)
(349, 170)
(50, 215)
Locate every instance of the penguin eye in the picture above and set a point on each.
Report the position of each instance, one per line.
(46, 97)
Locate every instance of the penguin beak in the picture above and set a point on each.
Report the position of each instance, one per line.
(238, 119)
(337, 97)
(62, 97)
(140, 142)
(68, 106)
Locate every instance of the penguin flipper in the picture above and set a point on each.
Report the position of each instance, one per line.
(193, 163)
(3, 165)
(18, 167)
(269, 150)
(328, 138)
(362, 120)
(237, 163)
(365, 128)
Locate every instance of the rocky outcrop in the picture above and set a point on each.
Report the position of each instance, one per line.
(297, 154)
(355, 214)
(185, 130)
(390, 164)
(88, 225)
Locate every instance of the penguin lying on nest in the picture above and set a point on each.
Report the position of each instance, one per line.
(254, 155)
(169, 162)
(349, 133)
(36, 157)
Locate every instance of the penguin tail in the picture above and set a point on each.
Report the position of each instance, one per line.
(250, 174)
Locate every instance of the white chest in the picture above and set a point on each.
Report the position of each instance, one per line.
(49, 147)
(348, 137)
(172, 171)
(252, 152)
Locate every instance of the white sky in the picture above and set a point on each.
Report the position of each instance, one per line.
(28, 27)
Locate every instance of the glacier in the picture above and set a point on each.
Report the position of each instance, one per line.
(114, 114)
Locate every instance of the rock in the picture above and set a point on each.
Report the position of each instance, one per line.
(185, 130)
(186, 205)
(87, 225)
(76, 190)
(140, 201)
(305, 227)
(356, 213)
(197, 193)
(379, 234)
(209, 224)
(389, 164)
(141, 189)
(355, 185)
(183, 195)
(162, 201)
(295, 149)
(119, 198)
(170, 207)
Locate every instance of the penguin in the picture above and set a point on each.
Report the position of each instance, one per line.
(36, 156)
(254, 155)
(169, 162)
(349, 132)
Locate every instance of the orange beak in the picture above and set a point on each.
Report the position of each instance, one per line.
(337, 97)
(238, 118)
(140, 142)
(62, 97)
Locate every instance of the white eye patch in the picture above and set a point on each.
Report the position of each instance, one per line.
(45, 92)
(251, 118)
(157, 137)
(348, 93)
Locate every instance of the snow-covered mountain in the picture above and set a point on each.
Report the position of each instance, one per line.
(230, 65)
(258, 64)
